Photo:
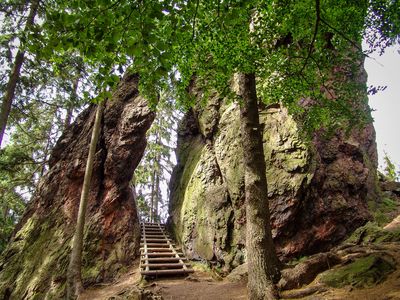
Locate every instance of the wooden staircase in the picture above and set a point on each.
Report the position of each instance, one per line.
(157, 253)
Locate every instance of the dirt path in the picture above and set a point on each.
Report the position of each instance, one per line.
(107, 291)
(198, 286)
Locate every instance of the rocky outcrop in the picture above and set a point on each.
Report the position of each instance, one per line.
(34, 264)
(318, 190)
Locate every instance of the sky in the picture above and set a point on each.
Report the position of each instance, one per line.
(385, 71)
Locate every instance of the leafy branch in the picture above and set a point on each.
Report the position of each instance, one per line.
(317, 21)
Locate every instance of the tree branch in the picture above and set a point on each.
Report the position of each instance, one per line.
(341, 34)
(194, 19)
(317, 20)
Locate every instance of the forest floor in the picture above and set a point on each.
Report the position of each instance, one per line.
(203, 285)
(113, 290)
(389, 289)
(199, 285)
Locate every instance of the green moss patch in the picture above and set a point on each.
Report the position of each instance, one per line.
(364, 272)
(372, 233)
(383, 210)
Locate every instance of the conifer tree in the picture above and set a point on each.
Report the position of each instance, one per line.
(152, 175)
(14, 76)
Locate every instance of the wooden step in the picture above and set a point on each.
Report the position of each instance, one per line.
(165, 265)
(160, 254)
(152, 240)
(153, 227)
(152, 224)
(164, 259)
(152, 245)
(155, 236)
(166, 272)
(158, 249)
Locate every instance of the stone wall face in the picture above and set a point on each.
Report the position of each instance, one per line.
(34, 264)
(317, 191)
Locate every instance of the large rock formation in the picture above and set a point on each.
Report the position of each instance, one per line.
(318, 191)
(34, 264)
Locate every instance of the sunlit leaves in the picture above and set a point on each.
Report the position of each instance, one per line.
(114, 33)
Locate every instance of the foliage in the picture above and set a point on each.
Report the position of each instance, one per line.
(44, 95)
(293, 49)
(22, 162)
(296, 53)
(12, 203)
(390, 168)
(382, 24)
(112, 36)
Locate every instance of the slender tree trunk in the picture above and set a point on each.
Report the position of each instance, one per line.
(74, 278)
(263, 263)
(152, 196)
(157, 197)
(15, 74)
(157, 171)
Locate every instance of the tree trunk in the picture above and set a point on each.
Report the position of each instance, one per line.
(14, 76)
(152, 196)
(157, 196)
(74, 278)
(157, 170)
(262, 260)
(68, 117)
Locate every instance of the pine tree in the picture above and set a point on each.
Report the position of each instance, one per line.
(14, 76)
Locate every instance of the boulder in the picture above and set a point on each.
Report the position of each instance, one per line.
(34, 264)
(318, 190)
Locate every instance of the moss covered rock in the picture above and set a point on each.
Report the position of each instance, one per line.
(34, 264)
(372, 233)
(363, 272)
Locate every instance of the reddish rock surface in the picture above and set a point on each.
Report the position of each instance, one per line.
(35, 262)
(335, 202)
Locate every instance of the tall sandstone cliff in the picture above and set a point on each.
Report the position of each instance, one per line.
(34, 264)
(318, 192)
